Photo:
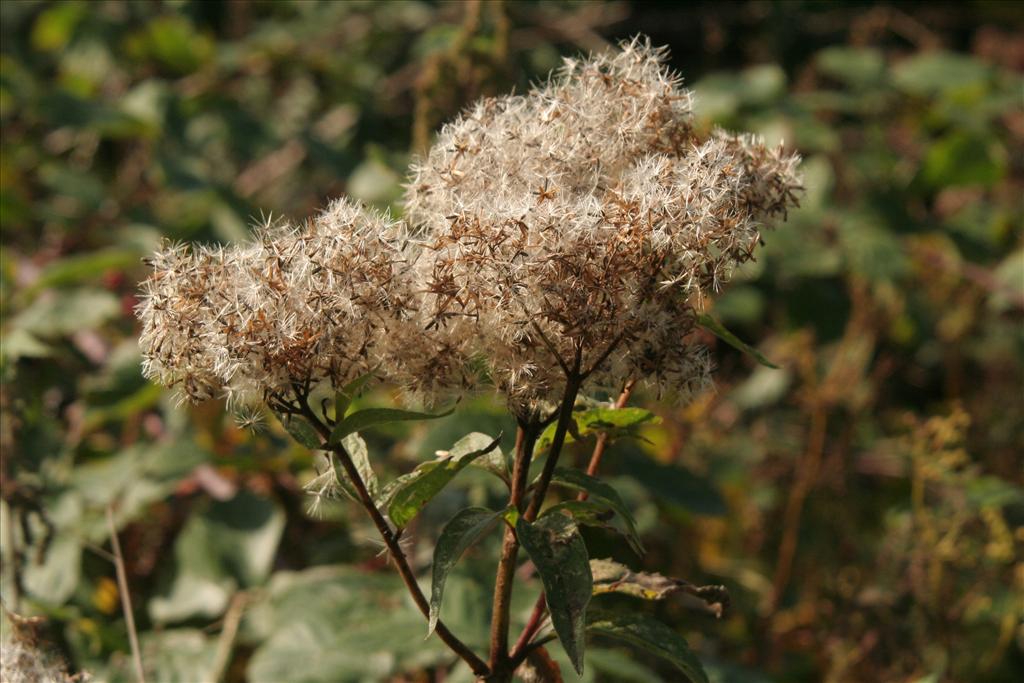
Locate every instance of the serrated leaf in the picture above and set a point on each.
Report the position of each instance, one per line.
(348, 393)
(461, 531)
(720, 331)
(300, 430)
(596, 514)
(557, 549)
(649, 635)
(598, 492)
(612, 421)
(427, 480)
(360, 420)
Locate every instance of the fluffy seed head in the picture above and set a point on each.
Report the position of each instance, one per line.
(578, 227)
(296, 306)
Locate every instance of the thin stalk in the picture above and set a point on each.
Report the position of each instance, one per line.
(126, 599)
(533, 624)
(572, 387)
(526, 438)
(806, 475)
(226, 641)
(602, 438)
(405, 571)
(478, 666)
(501, 663)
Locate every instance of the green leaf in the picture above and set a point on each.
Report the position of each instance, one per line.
(719, 330)
(649, 635)
(348, 393)
(82, 267)
(54, 314)
(55, 26)
(230, 544)
(554, 544)
(333, 624)
(360, 420)
(301, 431)
(427, 480)
(493, 461)
(461, 531)
(612, 421)
(599, 492)
(964, 159)
(173, 655)
(930, 73)
(356, 449)
(595, 514)
(859, 67)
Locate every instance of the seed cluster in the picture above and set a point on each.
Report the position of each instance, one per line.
(572, 230)
(294, 307)
(583, 223)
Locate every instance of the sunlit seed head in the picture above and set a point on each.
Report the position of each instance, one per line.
(585, 222)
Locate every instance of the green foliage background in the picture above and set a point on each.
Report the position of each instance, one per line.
(863, 503)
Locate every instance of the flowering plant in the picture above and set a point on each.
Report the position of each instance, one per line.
(554, 245)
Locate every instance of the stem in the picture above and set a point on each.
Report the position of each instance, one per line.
(398, 556)
(226, 642)
(572, 387)
(533, 624)
(478, 665)
(602, 438)
(530, 630)
(501, 663)
(526, 438)
(126, 599)
(9, 556)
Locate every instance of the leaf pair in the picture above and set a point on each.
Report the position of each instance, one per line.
(345, 425)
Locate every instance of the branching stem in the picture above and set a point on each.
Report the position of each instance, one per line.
(478, 666)
(523, 646)
(526, 438)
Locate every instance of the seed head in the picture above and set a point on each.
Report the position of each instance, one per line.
(577, 228)
(296, 306)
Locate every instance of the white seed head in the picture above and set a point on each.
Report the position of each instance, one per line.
(584, 222)
(294, 307)
(574, 229)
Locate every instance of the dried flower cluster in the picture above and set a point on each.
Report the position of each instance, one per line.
(579, 225)
(294, 307)
(573, 230)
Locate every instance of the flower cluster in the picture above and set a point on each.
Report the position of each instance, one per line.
(294, 307)
(571, 231)
(577, 228)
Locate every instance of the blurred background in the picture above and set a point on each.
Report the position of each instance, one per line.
(863, 504)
